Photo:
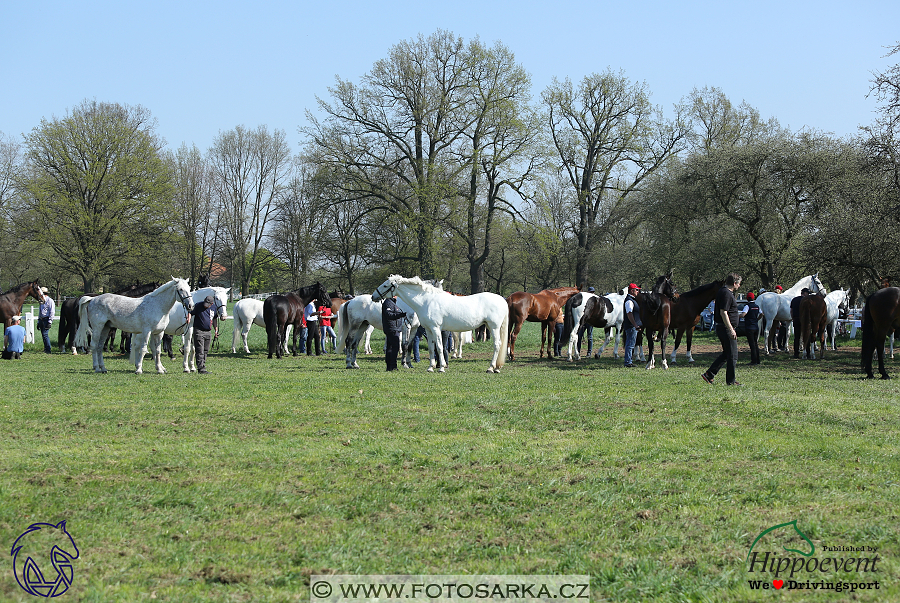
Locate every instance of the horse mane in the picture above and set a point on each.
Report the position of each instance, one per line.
(703, 289)
(413, 280)
(164, 287)
(19, 287)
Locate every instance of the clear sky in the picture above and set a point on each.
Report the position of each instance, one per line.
(202, 67)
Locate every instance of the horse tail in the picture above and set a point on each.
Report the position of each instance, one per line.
(238, 327)
(84, 326)
(868, 336)
(64, 326)
(568, 320)
(504, 341)
(270, 316)
(342, 322)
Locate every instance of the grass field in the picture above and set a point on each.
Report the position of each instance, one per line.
(239, 485)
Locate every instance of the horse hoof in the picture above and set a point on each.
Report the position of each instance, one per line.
(885, 376)
(442, 370)
(430, 370)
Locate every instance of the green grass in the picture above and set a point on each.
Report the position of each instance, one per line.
(239, 485)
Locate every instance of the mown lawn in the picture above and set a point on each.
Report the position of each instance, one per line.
(239, 485)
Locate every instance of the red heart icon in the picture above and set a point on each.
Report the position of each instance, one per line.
(777, 583)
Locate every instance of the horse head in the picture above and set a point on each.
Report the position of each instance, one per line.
(46, 542)
(34, 290)
(665, 286)
(385, 289)
(815, 285)
(221, 298)
(183, 293)
(320, 293)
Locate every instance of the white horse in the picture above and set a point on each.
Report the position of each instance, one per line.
(360, 316)
(147, 316)
(616, 320)
(777, 306)
(439, 310)
(834, 302)
(182, 323)
(248, 312)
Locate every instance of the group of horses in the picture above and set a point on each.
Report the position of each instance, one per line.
(152, 310)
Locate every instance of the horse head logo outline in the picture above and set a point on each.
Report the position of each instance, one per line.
(793, 524)
(30, 576)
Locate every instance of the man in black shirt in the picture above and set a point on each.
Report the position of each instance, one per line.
(726, 317)
(392, 321)
(203, 313)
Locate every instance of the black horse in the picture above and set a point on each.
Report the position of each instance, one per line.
(279, 311)
(656, 315)
(69, 320)
(881, 316)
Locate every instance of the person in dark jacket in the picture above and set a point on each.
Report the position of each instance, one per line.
(392, 321)
(751, 326)
(203, 313)
(726, 316)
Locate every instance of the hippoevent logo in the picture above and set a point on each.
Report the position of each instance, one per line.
(802, 569)
(42, 559)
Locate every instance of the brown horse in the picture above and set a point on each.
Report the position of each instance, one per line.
(542, 307)
(686, 313)
(656, 314)
(881, 315)
(279, 311)
(12, 301)
(813, 314)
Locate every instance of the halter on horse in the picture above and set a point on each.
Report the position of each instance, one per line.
(542, 307)
(656, 314)
(279, 311)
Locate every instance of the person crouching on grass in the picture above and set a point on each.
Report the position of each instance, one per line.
(14, 340)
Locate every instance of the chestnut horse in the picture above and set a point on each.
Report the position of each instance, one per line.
(813, 314)
(686, 313)
(542, 307)
(656, 314)
(12, 301)
(881, 316)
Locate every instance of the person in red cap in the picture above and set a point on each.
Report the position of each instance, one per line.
(631, 323)
(751, 326)
(779, 328)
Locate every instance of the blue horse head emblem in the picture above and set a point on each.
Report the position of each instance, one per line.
(46, 542)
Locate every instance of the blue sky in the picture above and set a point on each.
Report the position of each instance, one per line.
(202, 67)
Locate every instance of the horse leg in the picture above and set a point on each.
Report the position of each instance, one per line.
(689, 339)
(880, 339)
(155, 339)
(662, 348)
(140, 352)
(651, 364)
(678, 335)
(188, 360)
(436, 350)
(97, 349)
(493, 368)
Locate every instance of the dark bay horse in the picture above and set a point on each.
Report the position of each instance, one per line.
(542, 307)
(686, 313)
(12, 301)
(881, 316)
(69, 320)
(656, 314)
(279, 311)
(581, 310)
(813, 314)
